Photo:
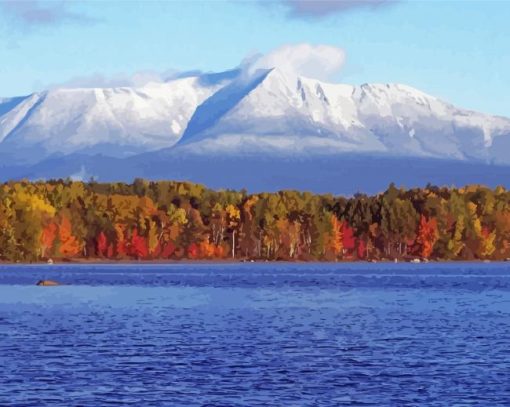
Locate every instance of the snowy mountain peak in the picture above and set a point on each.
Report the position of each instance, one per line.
(298, 115)
(112, 121)
(238, 112)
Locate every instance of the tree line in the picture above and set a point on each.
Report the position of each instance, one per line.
(145, 220)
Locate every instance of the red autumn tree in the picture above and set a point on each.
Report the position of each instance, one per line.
(427, 236)
(192, 251)
(361, 249)
(102, 245)
(138, 246)
(168, 250)
(349, 241)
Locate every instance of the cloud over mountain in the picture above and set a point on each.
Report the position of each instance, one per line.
(315, 61)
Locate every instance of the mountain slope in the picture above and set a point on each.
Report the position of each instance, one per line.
(116, 121)
(301, 115)
(339, 173)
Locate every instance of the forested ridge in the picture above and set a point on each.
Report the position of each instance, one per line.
(148, 220)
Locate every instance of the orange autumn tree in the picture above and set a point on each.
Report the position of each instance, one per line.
(68, 246)
(49, 234)
(427, 236)
(206, 249)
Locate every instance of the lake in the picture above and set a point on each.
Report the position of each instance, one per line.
(256, 334)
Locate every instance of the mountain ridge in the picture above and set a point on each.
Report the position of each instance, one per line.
(387, 118)
(358, 110)
(265, 115)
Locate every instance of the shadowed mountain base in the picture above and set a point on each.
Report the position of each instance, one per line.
(341, 174)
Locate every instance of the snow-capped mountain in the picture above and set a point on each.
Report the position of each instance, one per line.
(297, 115)
(207, 127)
(113, 121)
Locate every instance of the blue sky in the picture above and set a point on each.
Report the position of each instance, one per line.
(457, 50)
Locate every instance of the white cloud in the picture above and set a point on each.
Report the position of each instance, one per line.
(315, 61)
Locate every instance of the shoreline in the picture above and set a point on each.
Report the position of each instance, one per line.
(231, 261)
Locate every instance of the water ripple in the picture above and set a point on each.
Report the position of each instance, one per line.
(317, 335)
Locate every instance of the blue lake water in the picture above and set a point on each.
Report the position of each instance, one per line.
(256, 335)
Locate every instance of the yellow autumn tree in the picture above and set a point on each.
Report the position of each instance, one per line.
(233, 217)
(334, 240)
(456, 244)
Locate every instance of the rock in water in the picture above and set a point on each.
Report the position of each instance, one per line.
(47, 283)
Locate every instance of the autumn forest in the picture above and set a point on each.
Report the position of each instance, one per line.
(168, 220)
